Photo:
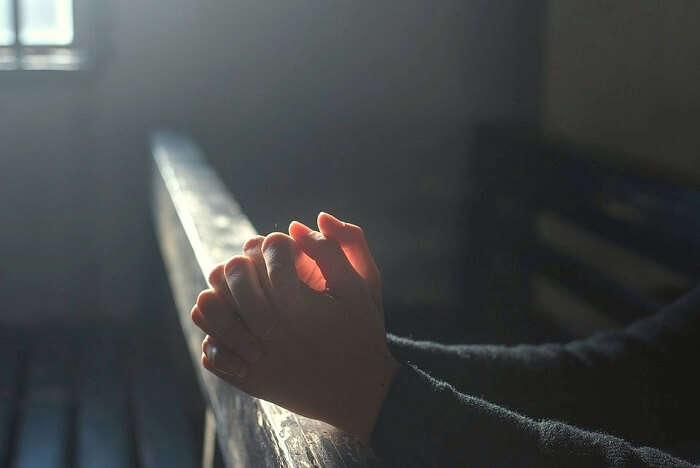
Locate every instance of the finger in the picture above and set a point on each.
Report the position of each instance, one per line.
(309, 272)
(222, 361)
(253, 250)
(279, 251)
(217, 318)
(217, 280)
(242, 279)
(199, 320)
(341, 277)
(352, 241)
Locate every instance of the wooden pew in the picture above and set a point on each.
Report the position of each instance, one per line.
(569, 242)
(86, 397)
(46, 411)
(198, 225)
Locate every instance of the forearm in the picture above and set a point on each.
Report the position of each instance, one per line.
(428, 423)
(581, 383)
(632, 381)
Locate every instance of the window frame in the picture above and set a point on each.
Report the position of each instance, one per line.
(72, 57)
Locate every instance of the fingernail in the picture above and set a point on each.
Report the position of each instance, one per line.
(210, 350)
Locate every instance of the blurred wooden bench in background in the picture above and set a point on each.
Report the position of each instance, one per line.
(97, 395)
(568, 243)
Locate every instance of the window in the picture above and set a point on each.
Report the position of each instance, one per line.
(7, 30)
(40, 35)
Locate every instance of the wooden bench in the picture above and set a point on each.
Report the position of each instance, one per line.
(86, 397)
(199, 224)
(569, 243)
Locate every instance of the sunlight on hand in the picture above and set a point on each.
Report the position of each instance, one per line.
(309, 273)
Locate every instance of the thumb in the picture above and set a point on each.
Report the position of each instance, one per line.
(341, 278)
(352, 240)
(279, 252)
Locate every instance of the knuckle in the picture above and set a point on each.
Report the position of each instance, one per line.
(254, 243)
(237, 263)
(217, 274)
(206, 300)
(278, 250)
(276, 240)
(195, 314)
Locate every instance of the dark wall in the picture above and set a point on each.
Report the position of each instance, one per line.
(360, 108)
(624, 76)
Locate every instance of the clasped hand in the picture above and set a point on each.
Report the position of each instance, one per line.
(297, 320)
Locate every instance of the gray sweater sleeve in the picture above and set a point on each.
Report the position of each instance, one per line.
(427, 423)
(635, 383)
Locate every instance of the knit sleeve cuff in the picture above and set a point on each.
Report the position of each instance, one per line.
(405, 414)
(426, 422)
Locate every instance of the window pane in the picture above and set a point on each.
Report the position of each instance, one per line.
(7, 33)
(46, 22)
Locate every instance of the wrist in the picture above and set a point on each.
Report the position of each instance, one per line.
(362, 416)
